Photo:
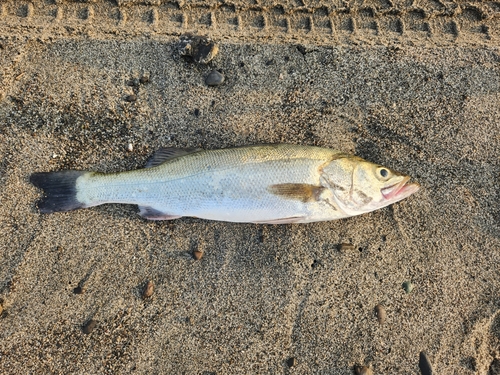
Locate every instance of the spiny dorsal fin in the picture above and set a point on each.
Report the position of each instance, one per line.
(301, 192)
(167, 153)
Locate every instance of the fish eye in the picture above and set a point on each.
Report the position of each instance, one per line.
(383, 173)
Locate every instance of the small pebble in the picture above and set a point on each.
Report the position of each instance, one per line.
(214, 78)
(363, 370)
(346, 247)
(200, 49)
(381, 315)
(144, 79)
(302, 49)
(407, 286)
(291, 362)
(148, 290)
(197, 254)
(133, 82)
(79, 290)
(425, 365)
(131, 98)
(130, 147)
(89, 326)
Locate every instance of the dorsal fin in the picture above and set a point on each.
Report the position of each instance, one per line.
(167, 153)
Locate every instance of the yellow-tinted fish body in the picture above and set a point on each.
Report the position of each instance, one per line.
(259, 184)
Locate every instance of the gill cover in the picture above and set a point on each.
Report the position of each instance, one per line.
(361, 186)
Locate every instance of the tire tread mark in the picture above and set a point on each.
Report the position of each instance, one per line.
(374, 21)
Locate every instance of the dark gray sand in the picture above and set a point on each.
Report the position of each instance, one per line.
(261, 294)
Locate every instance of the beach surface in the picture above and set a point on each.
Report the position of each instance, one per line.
(101, 85)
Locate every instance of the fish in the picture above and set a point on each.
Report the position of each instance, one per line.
(268, 184)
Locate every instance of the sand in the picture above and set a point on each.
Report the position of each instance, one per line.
(415, 87)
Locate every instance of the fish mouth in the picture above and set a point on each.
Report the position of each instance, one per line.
(400, 190)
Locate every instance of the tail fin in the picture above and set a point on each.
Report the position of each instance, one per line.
(60, 190)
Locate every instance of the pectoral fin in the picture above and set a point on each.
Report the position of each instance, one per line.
(302, 192)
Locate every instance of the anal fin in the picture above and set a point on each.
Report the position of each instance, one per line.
(284, 220)
(153, 214)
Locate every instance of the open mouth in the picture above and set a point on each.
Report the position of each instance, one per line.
(400, 190)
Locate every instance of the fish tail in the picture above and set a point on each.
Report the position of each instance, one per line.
(60, 190)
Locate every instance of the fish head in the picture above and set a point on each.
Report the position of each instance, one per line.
(361, 186)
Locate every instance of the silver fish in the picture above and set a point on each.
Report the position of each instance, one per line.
(274, 184)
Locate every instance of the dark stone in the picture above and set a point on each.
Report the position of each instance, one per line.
(291, 362)
(301, 49)
(133, 82)
(214, 78)
(148, 290)
(89, 326)
(425, 364)
(78, 290)
(407, 286)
